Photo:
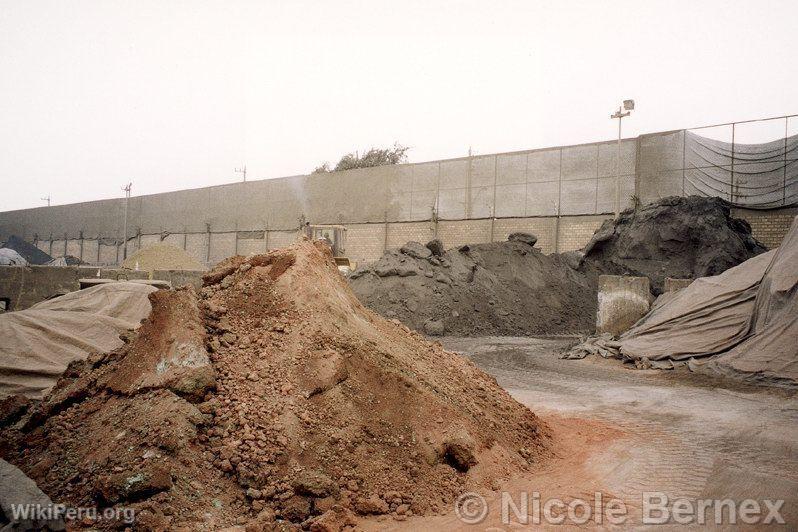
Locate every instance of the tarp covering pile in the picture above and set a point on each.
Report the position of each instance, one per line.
(742, 323)
(28, 251)
(38, 343)
(9, 257)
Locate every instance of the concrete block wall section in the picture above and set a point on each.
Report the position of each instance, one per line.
(576, 231)
(769, 227)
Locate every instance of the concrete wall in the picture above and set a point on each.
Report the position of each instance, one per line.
(24, 287)
(561, 194)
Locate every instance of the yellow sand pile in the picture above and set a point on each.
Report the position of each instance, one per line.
(162, 257)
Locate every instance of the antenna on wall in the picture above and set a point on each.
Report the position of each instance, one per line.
(242, 171)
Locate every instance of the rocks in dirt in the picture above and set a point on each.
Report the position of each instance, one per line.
(573, 259)
(681, 237)
(511, 288)
(333, 520)
(175, 357)
(296, 509)
(133, 485)
(416, 250)
(458, 451)
(314, 483)
(372, 504)
(526, 238)
(12, 408)
(434, 327)
(436, 247)
(320, 410)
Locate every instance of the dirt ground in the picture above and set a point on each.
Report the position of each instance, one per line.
(622, 431)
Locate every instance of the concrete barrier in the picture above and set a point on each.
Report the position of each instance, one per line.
(23, 287)
(674, 285)
(621, 302)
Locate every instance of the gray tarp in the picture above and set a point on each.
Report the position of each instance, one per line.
(38, 343)
(743, 322)
(770, 353)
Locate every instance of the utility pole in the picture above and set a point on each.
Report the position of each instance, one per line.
(242, 171)
(47, 199)
(126, 188)
(628, 106)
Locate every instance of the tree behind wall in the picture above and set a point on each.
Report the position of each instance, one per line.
(374, 157)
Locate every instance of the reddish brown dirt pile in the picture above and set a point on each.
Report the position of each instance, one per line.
(321, 410)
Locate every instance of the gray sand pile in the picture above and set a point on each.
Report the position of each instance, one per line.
(511, 288)
(28, 251)
(162, 257)
(501, 288)
(674, 237)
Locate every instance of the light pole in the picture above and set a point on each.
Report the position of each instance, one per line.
(126, 188)
(628, 106)
(242, 171)
(47, 199)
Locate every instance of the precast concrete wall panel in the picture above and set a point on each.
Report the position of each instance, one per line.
(425, 176)
(511, 169)
(424, 202)
(606, 193)
(511, 200)
(400, 207)
(483, 171)
(480, 203)
(543, 165)
(660, 165)
(542, 199)
(454, 174)
(580, 162)
(347, 197)
(608, 157)
(578, 197)
(168, 211)
(451, 204)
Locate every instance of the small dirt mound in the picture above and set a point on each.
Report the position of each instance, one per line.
(309, 409)
(162, 257)
(501, 288)
(681, 237)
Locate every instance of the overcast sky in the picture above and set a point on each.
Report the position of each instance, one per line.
(173, 95)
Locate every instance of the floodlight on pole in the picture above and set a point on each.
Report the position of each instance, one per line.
(628, 106)
(126, 188)
(243, 171)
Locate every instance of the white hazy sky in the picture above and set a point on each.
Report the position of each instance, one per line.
(176, 94)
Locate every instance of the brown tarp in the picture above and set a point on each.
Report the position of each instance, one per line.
(742, 323)
(38, 343)
(770, 353)
(707, 317)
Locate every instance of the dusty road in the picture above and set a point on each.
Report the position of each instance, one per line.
(622, 432)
